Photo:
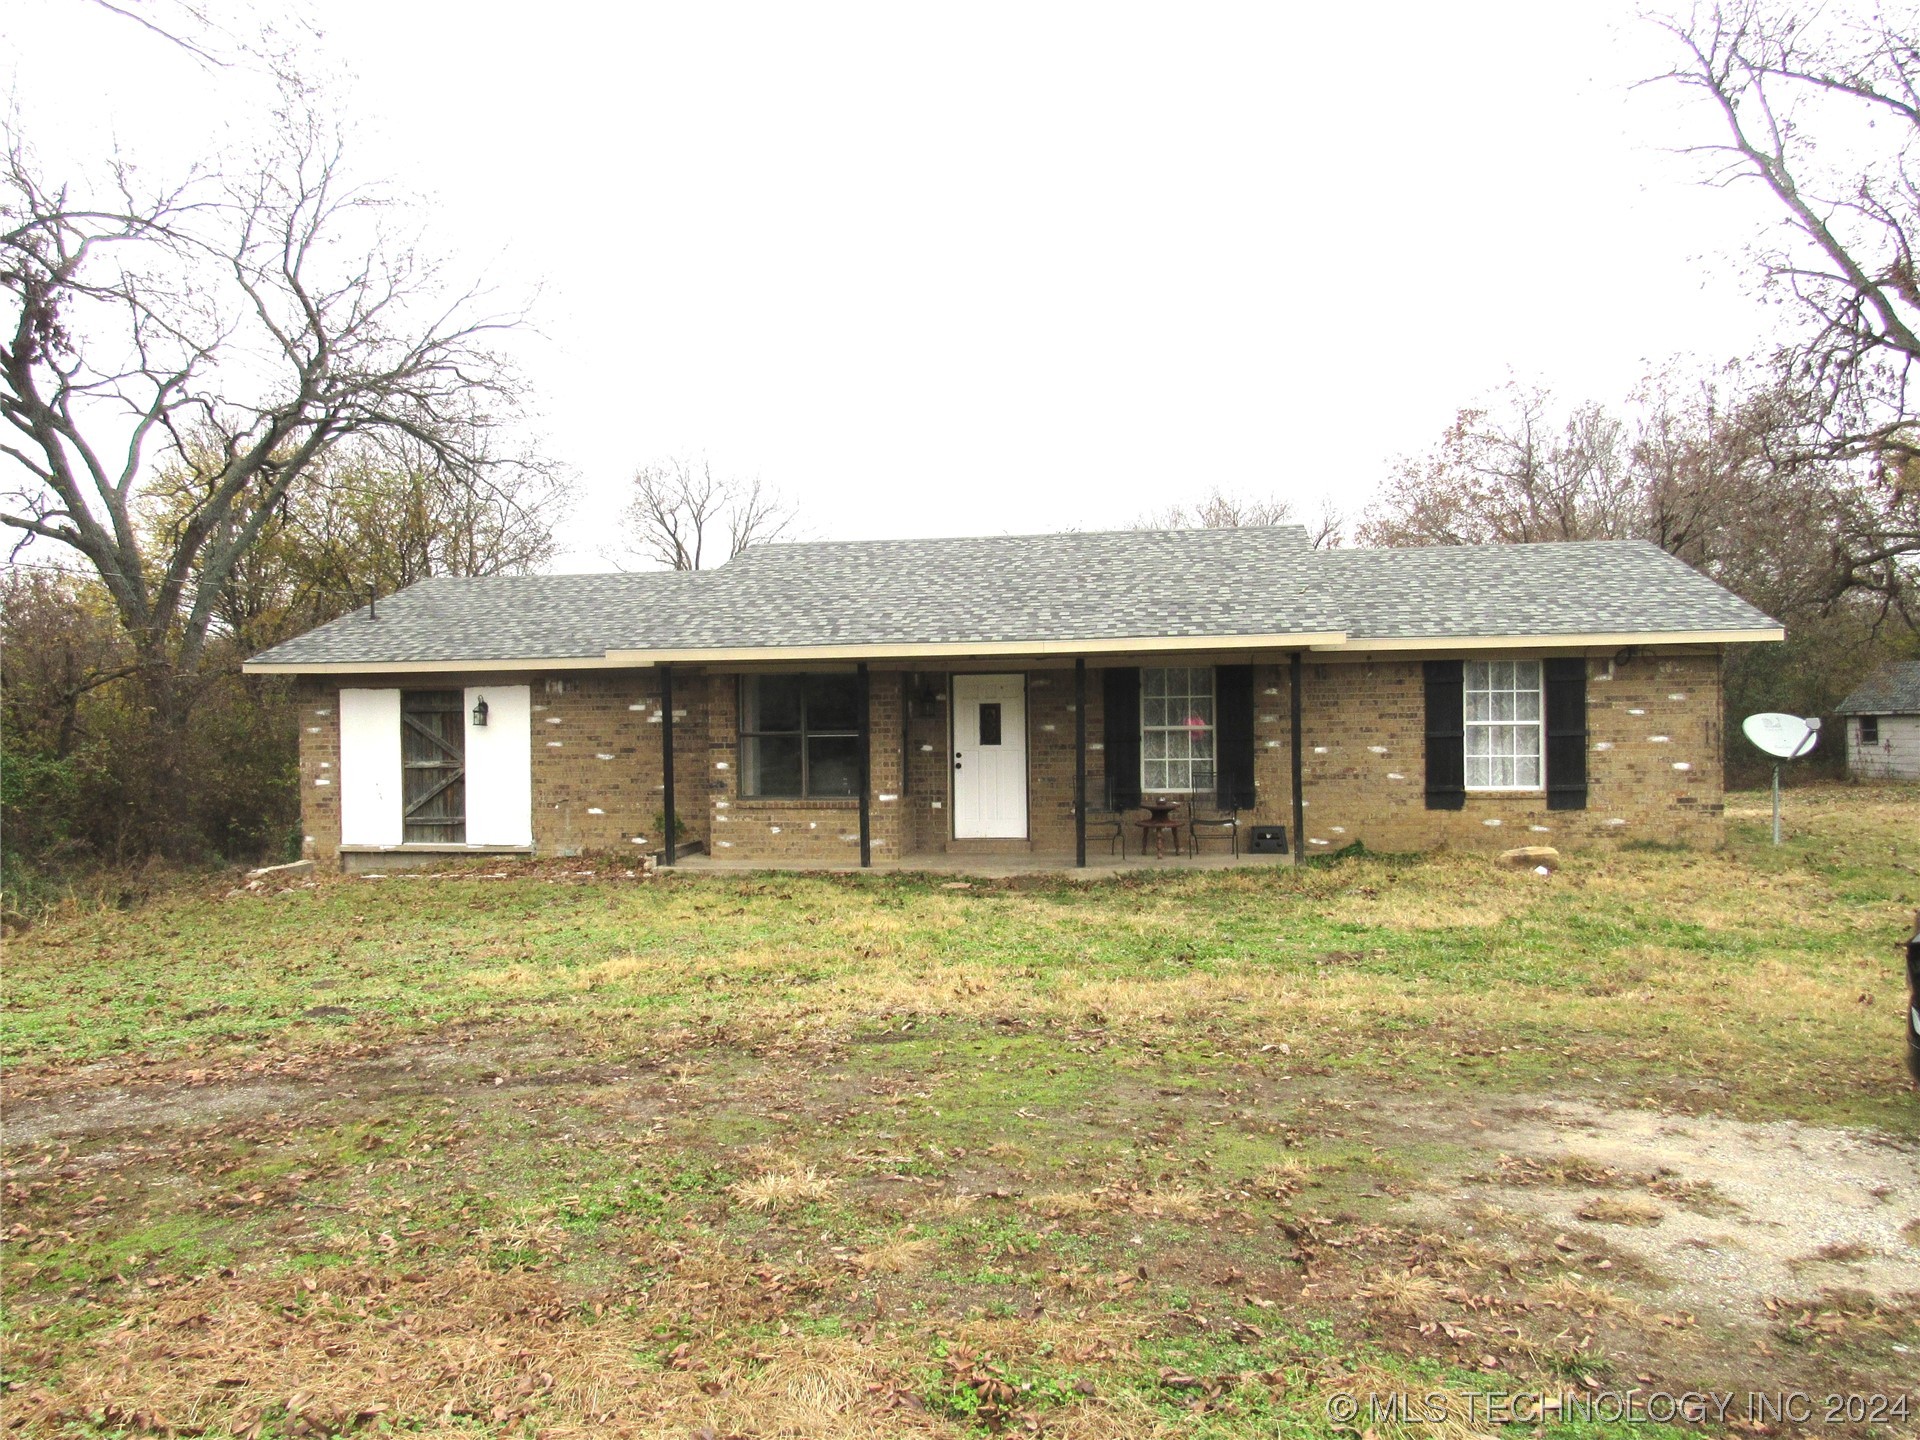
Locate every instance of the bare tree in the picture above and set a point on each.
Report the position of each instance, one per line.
(1507, 471)
(1713, 469)
(1221, 511)
(235, 327)
(1218, 511)
(178, 22)
(366, 519)
(1820, 105)
(679, 514)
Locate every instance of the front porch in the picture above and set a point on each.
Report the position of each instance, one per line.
(985, 766)
(1001, 865)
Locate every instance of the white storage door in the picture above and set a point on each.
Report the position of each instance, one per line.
(500, 767)
(370, 767)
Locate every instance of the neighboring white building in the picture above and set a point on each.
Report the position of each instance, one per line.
(1883, 724)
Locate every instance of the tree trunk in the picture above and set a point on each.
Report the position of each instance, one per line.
(164, 814)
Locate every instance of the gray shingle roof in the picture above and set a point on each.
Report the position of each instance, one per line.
(1579, 588)
(1891, 690)
(492, 617)
(1011, 588)
(1038, 589)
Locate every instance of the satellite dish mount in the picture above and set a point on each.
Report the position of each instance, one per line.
(1784, 737)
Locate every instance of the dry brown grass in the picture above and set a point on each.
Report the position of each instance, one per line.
(1621, 1210)
(468, 1349)
(1584, 1297)
(1123, 1199)
(1405, 1292)
(1841, 1252)
(1066, 1204)
(895, 1257)
(436, 1355)
(785, 1188)
(1470, 1255)
(946, 1207)
(1284, 1177)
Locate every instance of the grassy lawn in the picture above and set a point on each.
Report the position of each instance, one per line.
(1184, 1154)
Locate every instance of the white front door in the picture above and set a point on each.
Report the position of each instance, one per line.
(989, 757)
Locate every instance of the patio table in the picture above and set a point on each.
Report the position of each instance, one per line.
(1159, 824)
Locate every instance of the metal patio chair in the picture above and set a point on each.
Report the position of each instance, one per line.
(1212, 815)
(1107, 821)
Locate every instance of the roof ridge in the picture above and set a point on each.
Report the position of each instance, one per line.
(1447, 547)
(1134, 530)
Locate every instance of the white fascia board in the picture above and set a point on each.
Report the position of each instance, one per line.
(965, 649)
(1596, 640)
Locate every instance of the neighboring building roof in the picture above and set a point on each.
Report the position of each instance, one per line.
(1891, 690)
(1174, 588)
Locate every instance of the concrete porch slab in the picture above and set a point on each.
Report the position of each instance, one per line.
(992, 867)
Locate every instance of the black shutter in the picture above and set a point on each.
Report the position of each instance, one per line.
(1446, 736)
(1121, 699)
(1233, 736)
(1566, 686)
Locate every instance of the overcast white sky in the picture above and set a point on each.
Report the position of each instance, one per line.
(968, 269)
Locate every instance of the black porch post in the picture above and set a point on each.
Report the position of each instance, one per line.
(670, 853)
(1294, 671)
(1080, 762)
(866, 769)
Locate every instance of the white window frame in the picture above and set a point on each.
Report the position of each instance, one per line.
(1502, 692)
(1186, 728)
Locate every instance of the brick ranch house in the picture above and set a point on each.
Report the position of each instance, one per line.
(887, 702)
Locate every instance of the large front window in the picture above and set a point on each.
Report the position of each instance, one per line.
(1503, 724)
(1176, 730)
(799, 736)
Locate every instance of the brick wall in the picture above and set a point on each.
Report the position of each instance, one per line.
(1653, 760)
(927, 765)
(318, 705)
(822, 831)
(598, 781)
(1050, 760)
(596, 762)
(1654, 763)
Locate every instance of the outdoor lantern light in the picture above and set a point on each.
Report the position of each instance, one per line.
(480, 712)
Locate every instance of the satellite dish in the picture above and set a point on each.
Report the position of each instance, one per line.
(1785, 737)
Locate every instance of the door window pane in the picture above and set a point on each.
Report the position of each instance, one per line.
(990, 722)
